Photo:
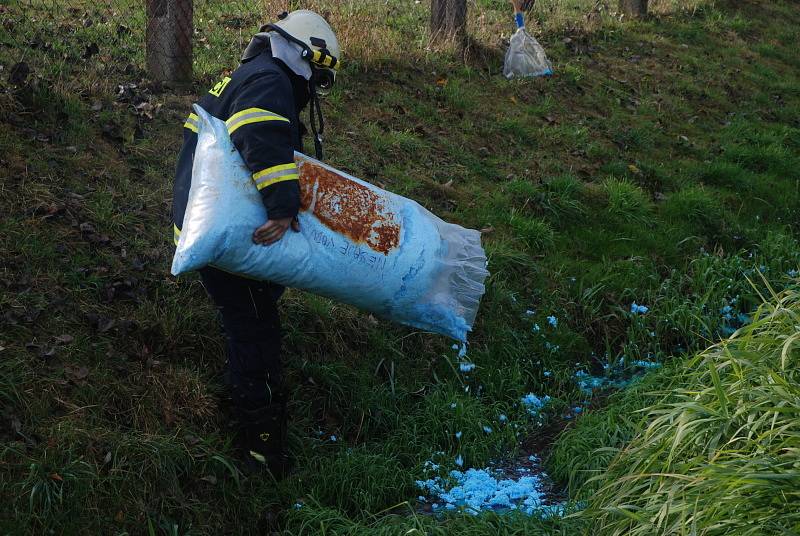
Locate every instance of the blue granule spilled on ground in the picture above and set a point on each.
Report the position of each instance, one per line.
(534, 404)
(615, 376)
(588, 384)
(731, 318)
(639, 309)
(524, 489)
(466, 366)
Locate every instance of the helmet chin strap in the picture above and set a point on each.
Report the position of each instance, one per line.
(313, 106)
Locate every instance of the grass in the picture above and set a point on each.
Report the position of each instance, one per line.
(658, 166)
(716, 434)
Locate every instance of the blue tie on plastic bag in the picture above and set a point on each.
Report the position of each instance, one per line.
(357, 244)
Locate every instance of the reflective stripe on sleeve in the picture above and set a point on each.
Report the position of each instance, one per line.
(192, 123)
(176, 234)
(251, 115)
(275, 174)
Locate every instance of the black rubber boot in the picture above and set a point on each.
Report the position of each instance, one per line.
(261, 439)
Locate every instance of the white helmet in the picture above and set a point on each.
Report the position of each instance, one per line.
(316, 39)
(315, 32)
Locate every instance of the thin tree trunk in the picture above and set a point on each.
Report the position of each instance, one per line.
(448, 19)
(169, 40)
(634, 9)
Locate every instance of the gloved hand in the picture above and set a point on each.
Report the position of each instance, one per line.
(273, 230)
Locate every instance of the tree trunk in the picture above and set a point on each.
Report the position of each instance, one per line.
(634, 9)
(169, 40)
(448, 19)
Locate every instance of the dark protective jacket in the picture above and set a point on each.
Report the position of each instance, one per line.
(258, 103)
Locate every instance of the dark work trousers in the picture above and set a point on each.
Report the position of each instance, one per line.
(253, 337)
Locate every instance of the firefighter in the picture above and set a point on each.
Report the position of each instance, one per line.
(260, 102)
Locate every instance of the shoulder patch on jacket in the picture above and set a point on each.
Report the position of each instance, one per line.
(220, 87)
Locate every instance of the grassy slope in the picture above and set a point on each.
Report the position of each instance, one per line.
(660, 166)
(700, 444)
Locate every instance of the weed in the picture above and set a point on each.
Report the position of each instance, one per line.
(536, 234)
(627, 203)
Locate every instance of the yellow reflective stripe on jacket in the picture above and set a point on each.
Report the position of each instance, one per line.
(275, 174)
(176, 234)
(251, 115)
(192, 123)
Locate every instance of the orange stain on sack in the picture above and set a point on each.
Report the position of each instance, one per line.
(348, 208)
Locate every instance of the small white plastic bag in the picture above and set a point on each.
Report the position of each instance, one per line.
(357, 244)
(525, 57)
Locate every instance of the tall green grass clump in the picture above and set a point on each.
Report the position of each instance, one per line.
(584, 452)
(718, 453)
(626, 201)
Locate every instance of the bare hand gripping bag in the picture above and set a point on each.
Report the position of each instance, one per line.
(357, 244)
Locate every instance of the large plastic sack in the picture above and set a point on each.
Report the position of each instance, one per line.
(357, 244)
(525, 57)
